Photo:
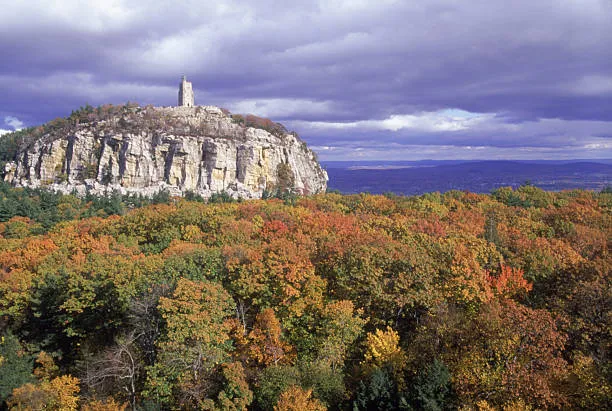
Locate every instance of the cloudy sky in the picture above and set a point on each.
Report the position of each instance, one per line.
(357, 79)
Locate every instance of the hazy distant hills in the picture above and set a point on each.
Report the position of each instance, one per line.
(476, 176)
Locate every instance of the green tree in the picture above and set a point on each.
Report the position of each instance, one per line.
(272, 382)
(196, 342)
(379, 392)
(339, 328)
(15, 365)
(432, 390)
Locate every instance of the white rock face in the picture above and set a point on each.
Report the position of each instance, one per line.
(179, 149)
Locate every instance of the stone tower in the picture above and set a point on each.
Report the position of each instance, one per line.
(185, 97)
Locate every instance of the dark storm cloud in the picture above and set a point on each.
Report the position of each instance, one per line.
(359, 76)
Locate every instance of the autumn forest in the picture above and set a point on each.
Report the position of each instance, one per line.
(498, 301)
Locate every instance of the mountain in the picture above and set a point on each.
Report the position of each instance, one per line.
(143, 150)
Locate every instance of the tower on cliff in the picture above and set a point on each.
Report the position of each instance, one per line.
(185, 97)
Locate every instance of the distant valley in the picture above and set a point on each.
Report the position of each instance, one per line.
(418, 177)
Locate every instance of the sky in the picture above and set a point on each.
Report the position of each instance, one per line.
(358, 80)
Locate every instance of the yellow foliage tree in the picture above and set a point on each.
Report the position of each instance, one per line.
(46, 368)
(297, 399)
(382, 348)
(107, 405)
(60, 393)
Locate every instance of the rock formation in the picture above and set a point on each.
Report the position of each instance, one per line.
(142, 150)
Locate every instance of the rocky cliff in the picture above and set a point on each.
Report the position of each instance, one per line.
(142, 150)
